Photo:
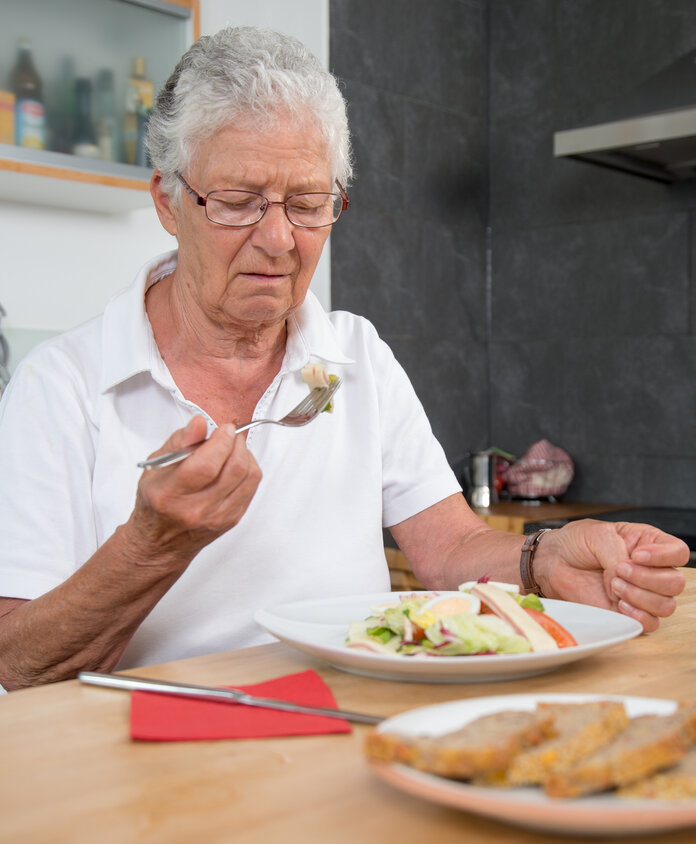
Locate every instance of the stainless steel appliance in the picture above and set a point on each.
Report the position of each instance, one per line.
(481, 479)
(651, 132)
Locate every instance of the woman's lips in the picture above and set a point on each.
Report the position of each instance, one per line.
(268, 278)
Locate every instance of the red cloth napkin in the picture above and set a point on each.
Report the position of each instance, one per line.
(163, 717)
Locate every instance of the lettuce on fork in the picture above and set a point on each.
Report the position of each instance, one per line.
(315, 375)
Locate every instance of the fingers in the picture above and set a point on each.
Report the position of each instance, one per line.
(649, 622)
(194, 432)
(668, 582)
(207, 464)
(635, 563)
(221, 482)
(188, 504)
(670, 552)
(229, 511)
(204, 465)
(642, 579)
(642, 599)
(646, 593)
(648, 545)
(595, 546)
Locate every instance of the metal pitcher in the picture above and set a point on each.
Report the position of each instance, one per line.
(482, 491)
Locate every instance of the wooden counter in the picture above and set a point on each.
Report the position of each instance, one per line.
(514, 515)
(72, 775)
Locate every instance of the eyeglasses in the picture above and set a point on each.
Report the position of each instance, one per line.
(244, 207)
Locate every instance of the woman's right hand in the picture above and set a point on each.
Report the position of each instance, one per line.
(181, 508)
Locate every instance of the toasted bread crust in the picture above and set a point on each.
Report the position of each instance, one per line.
(582, 729)
(678, 783)
(570, 749)
(648, 744)
(485, 745)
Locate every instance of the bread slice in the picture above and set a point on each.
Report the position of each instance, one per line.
(676, 783)
(582, 728)
(648, 744)
(484, 746)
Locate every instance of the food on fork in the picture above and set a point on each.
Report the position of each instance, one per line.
(482, 618)
(315, 375)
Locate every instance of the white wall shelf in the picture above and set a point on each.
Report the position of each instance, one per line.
(110, 34)
(39, 177)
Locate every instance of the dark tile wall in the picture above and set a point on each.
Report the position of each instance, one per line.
(593, 342)
(583, 328)
(410, 252)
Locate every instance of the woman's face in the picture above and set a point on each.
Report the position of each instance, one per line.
(253, 276)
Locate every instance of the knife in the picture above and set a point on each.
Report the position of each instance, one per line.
(124, 681)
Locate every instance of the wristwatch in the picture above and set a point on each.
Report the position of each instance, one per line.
(527, 563)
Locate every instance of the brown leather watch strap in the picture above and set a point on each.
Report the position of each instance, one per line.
(527, 563)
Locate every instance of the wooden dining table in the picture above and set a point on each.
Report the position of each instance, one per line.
(69, 771)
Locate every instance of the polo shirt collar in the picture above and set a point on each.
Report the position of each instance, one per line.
(129, 346)
(311, 335)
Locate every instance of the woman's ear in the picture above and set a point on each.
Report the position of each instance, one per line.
(163, 203)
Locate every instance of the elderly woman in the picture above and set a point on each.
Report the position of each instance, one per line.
(103, 565)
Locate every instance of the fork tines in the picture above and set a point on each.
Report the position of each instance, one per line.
(322, 395)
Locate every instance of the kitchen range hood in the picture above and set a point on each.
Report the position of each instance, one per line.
(652, 133)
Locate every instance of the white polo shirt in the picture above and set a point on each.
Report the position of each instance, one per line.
(82, 409)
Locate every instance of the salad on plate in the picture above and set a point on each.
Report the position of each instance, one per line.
(483, 617)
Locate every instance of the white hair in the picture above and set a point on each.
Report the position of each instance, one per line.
(250, 76)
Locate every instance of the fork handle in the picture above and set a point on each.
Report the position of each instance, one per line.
(172, 457)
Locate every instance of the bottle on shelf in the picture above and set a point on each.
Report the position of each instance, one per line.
(139, 99)
(105, 110)
(85, 139)
(61, 113)
(142, 159)
(7, 117)
(30, 115)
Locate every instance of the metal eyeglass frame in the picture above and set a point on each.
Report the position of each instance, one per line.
(203, 202)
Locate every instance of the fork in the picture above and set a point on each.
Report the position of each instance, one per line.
(309, 408)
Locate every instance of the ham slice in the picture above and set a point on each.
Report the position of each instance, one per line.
(315, 375)
(507, 608)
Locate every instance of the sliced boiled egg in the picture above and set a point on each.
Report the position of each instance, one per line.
(446, 605)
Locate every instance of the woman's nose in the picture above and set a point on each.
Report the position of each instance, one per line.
(274, 232)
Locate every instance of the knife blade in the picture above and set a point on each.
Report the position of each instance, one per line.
(130, 683)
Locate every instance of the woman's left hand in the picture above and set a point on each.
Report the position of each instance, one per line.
(624, 566)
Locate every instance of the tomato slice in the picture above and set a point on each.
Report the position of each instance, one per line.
(563, 638)
(418, 632)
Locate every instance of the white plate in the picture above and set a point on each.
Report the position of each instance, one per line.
(529, 807)
(319, 628)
